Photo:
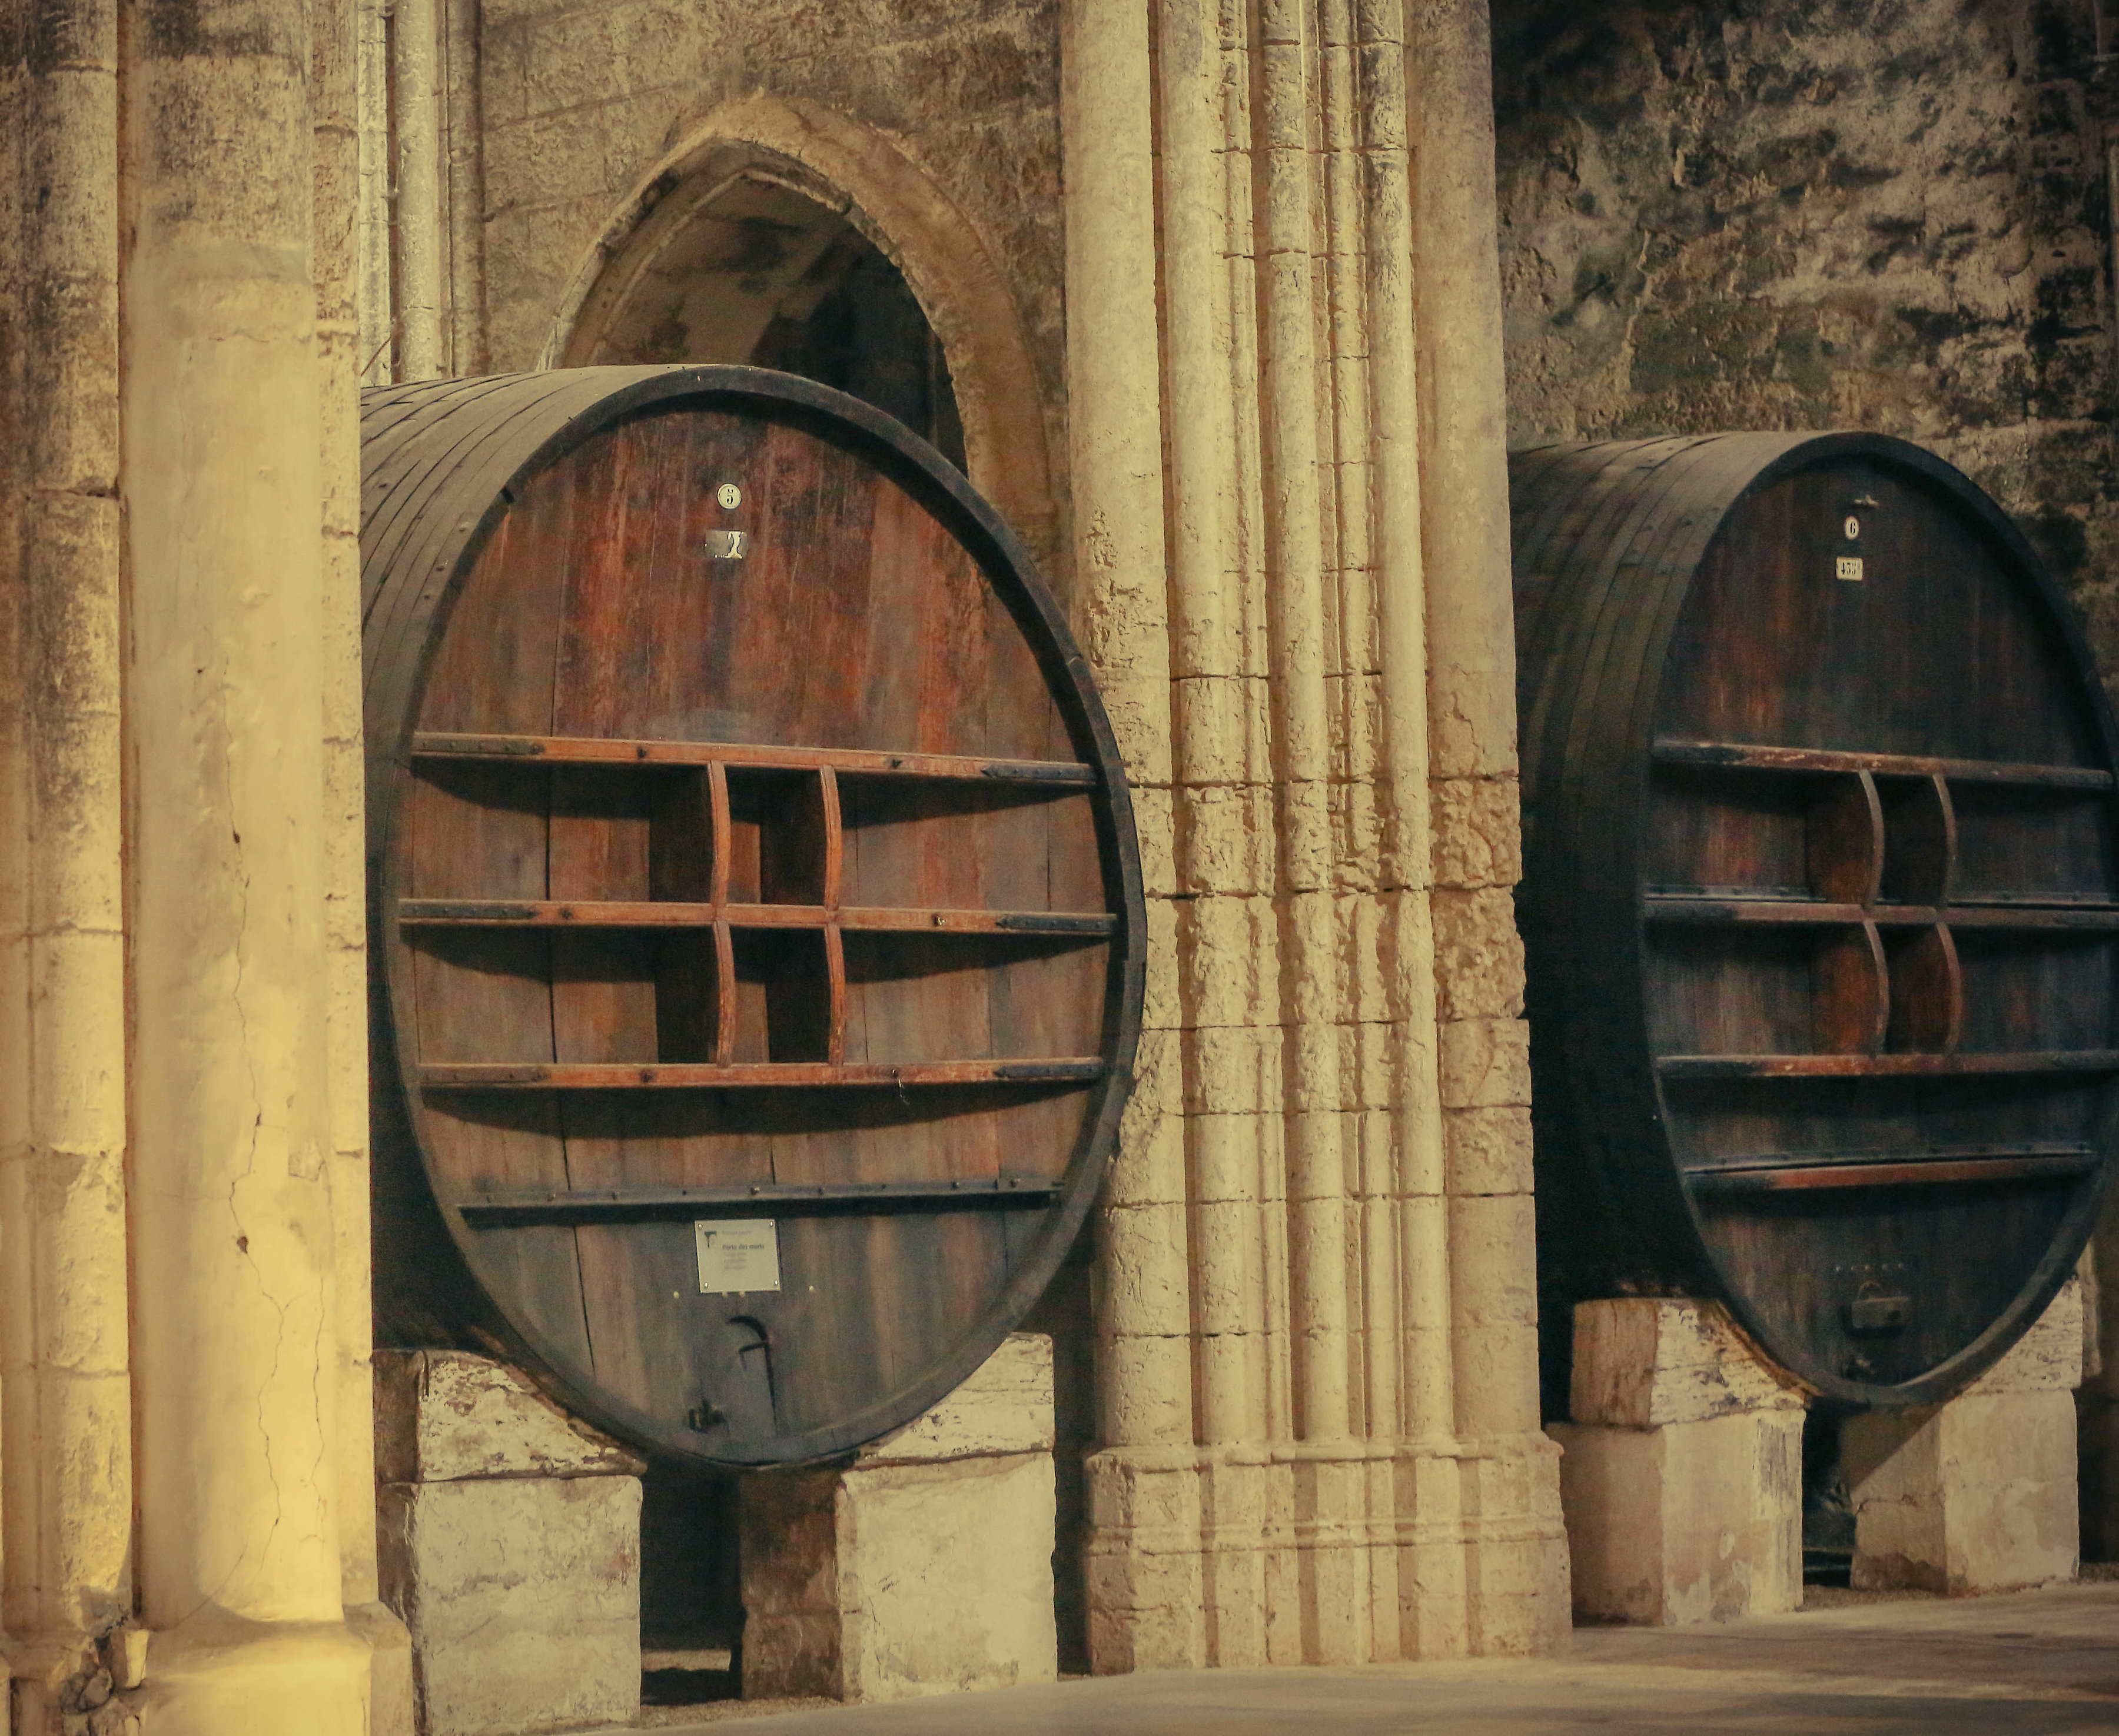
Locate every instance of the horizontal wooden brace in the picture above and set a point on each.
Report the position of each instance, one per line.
(565, 1076)
(1757, 756)
(584, 1206)
(1861, 1066)
(1676, 907)
(1911, 1169)
(504, 912)
(749, 756)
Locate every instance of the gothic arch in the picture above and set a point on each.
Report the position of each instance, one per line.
(674, 251)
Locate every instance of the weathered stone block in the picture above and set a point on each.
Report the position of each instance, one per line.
(924, 1566)
(1686, 1522)
(1978, 1494)
(2047, 1358)
(1641, 1362)
(1682, 1479)
(508, 1543)
(1005, 1407)
(523, 1597)
(444, 1414)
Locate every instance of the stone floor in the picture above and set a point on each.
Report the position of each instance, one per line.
(2036, 1663)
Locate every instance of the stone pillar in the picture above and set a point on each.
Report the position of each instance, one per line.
(1146, 1603)
(1315, 1309)
(1681, 1478)
(344, 854)
(925, 1565)
(233, 1237)
(66, 1412)
(1978, 1494)
(1515, 1566)
(510, 1546)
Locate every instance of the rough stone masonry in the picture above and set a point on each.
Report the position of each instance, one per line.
(1791, 215)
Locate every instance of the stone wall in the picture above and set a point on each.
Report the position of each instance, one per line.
(580, 101)
(1788, 214)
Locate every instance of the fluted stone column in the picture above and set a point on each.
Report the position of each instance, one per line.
(66, 1417)
(1289, 489)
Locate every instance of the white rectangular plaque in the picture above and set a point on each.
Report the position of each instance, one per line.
(1849, 567)
(737, 1255)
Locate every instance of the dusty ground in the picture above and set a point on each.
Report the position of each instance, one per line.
(2035, 1664)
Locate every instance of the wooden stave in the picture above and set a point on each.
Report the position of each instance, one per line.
(1616, 1134)
(491, 447)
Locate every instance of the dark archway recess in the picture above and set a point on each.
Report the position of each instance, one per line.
(866, 335)
(763, 275)
(1821, 901)
(757, 932)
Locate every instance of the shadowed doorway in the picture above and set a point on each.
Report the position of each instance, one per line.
(757, 271)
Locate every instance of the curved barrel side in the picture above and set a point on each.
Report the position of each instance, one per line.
(1760, 1091)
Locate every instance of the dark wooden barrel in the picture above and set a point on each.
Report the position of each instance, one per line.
(756, 925)
(1821, 898)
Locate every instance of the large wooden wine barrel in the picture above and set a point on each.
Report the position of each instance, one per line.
(756, 924)
(1820, 897)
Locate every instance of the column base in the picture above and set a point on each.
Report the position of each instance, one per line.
(1340, 1552)
(216, 1675)
(389, 1689)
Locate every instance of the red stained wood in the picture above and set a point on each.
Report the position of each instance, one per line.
(806, 879)
(606, 1077)
(433, 746)
(618, 913)
(1931, 1173)
(1822, 869)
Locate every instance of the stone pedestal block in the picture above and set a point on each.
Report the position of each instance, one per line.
(1978, 1494)
(509, 1541)
(925, 1565)
(1681, 1478)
